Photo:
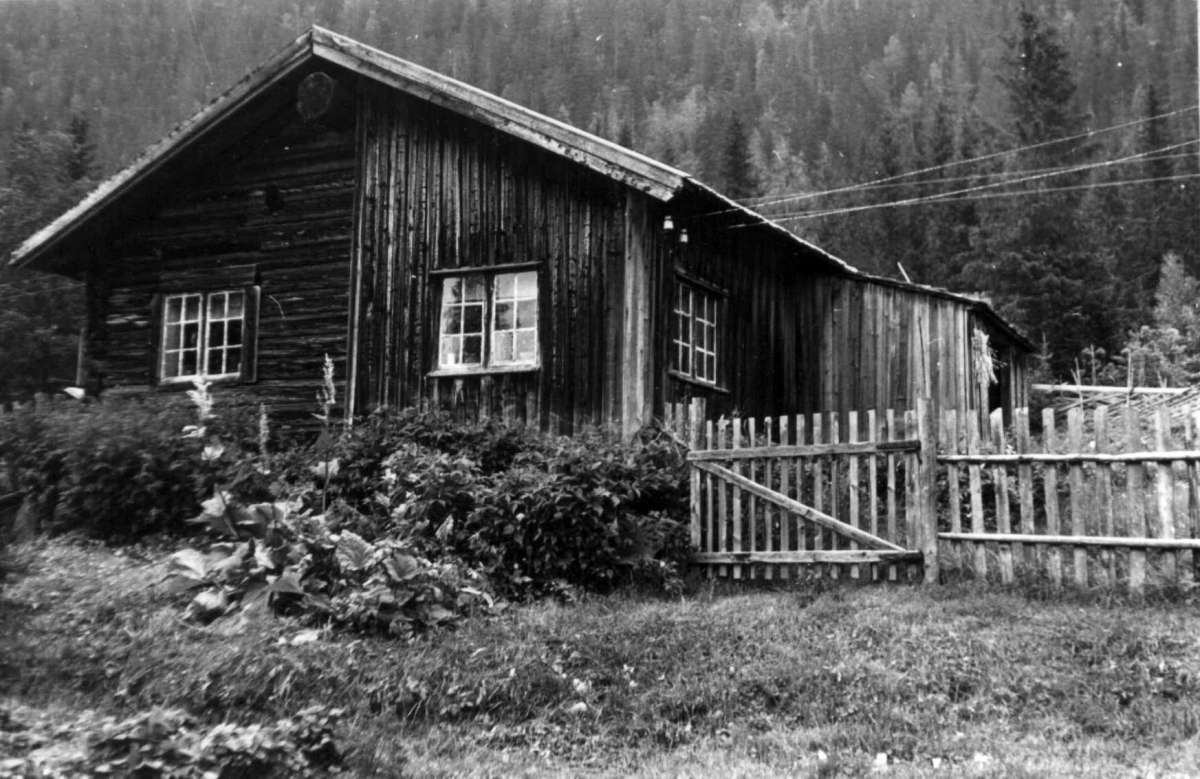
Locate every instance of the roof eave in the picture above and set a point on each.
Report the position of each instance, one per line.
(605, 157)
(45, 241)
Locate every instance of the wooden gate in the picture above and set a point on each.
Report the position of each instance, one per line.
(804, 495)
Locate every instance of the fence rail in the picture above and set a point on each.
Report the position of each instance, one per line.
(1115, 502)
(818, 494)
(1100, 499)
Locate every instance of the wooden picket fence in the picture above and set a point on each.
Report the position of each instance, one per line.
(810, 495)
(1104, 500)
(1095, 499)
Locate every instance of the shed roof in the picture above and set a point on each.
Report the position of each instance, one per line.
(656, 179)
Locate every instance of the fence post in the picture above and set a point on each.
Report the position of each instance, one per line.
(926, 501)
(694, 421)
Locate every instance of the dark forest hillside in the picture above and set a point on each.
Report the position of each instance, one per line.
(771, 101)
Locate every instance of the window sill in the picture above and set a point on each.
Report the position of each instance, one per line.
(442, 373)
(166, 385)
(674, 374)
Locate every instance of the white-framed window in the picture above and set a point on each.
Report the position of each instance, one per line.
(488, 320)
(203, 335)
(694, 334)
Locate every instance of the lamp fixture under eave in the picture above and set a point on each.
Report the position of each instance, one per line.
(668, 223)
(683, 236)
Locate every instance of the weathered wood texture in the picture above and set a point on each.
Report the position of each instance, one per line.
(269, 202)
(782, 498)
(799, 336)
(441, 192)
(351, 231)
(1090, 516)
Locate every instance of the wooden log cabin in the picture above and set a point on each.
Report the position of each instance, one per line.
(445, 245)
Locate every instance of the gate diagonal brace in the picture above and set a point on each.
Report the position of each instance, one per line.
(796, 507)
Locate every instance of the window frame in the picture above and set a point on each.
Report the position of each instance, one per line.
(247, 367)
(488, 363)
(716, 299)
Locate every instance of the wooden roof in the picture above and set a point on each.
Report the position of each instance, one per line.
(656, 179)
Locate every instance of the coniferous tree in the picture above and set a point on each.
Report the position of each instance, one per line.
(735, 174)
(1032, 252)
(81, 158)
(39, 313)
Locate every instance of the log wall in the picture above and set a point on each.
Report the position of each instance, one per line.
(272, 205)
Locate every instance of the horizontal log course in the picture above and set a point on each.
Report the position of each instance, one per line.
(1104, 541)
(808, 450)
(1074, 458)
(795, 507)
(840, 556)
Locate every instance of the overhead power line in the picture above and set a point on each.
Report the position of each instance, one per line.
(971, 160)
(990, 185)
(994, 195)
(1010, 173)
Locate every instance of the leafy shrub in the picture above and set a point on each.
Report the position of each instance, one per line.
(116, 469)
(121, 468)
(280, 561)
(588, 511)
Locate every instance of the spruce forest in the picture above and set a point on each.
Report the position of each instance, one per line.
(1040, 154)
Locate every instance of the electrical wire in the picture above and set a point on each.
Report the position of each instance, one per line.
(977, 176)
(989, 196)
(991, 185)
(980, 158)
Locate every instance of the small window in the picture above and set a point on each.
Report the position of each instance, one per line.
(694, 336)
(489, 321)
(203, 335)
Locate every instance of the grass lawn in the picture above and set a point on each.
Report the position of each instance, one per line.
(945, 681)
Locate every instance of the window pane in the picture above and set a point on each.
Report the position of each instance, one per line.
(188, 364)
(452, 320)
(172, 338)
(235, 305)
(451, 291)
(502, 347)
(526, 346)
(174, 309)
(473, 319)
(216, 305)
(472, 353)
(191, 335)
(233, 360)
(216, 335)
(527, 313)
(451, 344)
(192, 308)
(504, 316)
(213, 366)
(527, 285)
(685, 361)
(475, 291)
(506, 285)
(233, 333)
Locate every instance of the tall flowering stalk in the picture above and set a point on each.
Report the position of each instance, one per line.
(201, 397)
(326, 400)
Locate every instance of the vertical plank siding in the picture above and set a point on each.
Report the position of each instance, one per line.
(443, 192)
(797, 337)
